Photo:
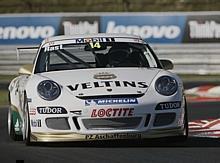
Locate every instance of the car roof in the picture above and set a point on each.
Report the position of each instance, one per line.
(98, 35)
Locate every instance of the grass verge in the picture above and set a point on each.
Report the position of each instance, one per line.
(6, 78)
(195, 77)
(3, 97)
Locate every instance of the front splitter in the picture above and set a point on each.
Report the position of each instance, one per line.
(68, 137)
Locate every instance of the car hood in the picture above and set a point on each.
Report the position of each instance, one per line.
(104, 82)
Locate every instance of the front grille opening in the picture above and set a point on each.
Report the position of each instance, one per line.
(75, 121)
(147, 120)
(58, 123)
(163, 119)
(112, 123)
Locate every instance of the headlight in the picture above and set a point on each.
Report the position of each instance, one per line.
(48, 90)
(166, 85)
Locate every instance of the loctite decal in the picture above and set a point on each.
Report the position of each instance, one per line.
(113, 112)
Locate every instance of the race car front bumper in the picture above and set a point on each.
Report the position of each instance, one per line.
(68, 137)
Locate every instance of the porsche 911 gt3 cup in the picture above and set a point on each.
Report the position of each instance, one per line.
(96, 87)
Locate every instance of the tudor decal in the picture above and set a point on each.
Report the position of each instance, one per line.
(113, 112)
(51, 110)
(99, 84)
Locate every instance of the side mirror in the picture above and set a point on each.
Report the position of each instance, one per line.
(26, 69)
(167, 64)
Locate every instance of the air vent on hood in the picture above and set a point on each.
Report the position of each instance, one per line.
(111, 96)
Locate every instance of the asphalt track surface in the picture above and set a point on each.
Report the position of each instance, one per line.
(199, 150)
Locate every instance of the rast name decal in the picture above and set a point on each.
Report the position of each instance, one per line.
(111, 101)
(113, 136)
(53, 48)
(113, 112)
(99, 84)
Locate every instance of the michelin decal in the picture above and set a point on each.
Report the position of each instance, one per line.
(111, 101)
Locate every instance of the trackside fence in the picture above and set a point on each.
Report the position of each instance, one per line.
(187, 58)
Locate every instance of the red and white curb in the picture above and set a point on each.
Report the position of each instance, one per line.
(205, 128)
(203, 93)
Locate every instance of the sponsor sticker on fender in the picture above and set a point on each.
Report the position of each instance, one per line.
(32, 111)
(113, 112)
(36, 123)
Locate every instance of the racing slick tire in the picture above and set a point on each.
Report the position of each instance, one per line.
(11, 127)
(26, 124)
(184, 136)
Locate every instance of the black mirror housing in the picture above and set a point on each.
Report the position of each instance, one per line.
(167, 64)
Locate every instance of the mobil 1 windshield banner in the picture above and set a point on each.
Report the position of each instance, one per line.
(153, 29)
(202, 29)
(27, 30)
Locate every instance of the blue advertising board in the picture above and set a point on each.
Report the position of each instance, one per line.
(27, 30)
(154, 29)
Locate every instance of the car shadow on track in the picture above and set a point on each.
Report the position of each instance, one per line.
(191, 142)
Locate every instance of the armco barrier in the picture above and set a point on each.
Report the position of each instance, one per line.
(187, 58)
(192, 58)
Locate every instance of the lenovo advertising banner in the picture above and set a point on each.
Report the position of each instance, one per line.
(154, 29)
(27, 30)
(159, 28)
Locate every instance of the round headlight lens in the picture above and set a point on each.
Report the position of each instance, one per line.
(166, 85)
(48, 90)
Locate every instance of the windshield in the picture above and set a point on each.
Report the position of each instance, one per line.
(94, 55)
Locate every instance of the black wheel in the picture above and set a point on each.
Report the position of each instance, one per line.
(11, 127)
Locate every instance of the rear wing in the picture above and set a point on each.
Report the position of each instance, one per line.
(26, 57)
(26, 50)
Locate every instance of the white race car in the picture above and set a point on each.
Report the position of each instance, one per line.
(96, 87)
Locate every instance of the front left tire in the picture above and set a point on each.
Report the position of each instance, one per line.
(26, 124)
(11, 126)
